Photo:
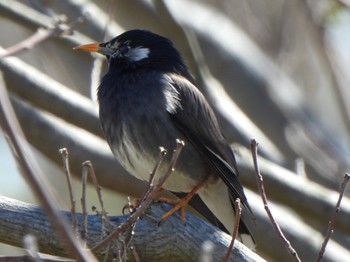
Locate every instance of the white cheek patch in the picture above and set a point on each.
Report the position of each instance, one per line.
(138, 53)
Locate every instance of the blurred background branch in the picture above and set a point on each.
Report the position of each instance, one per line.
(273, 69)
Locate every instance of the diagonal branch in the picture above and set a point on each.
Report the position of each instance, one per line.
(254, 149)
(147, 201)
(334, 217)
(33, 174)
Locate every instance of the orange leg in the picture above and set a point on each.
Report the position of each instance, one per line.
(136, 202)
(180, 203)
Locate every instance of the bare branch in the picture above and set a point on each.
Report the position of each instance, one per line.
(254, 150)
(34, 175)
(91, 170)
(162, 154)
(28, 217)
(331, 223)
(83, 204)
(238, 210)
(143, 205)
(57, 28)
(64, 154)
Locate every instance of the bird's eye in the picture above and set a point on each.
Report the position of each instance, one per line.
(124, 48)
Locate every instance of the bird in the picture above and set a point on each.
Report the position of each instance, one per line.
(148, 99)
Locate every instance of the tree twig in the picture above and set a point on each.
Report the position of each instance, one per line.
(238, 210)
(64, 154)
(34, 176)
(83, 205)
(150, 185)
(254, 150)
(331, 223)
(41, 34)
(106, 224)
(142, 207)
(91, 170)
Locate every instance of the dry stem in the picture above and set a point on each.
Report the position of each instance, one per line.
(144, 204)
(34, 176)
(254, 150)
(238, 210)
(331, 223)
(57, 29)
(64, 153)
(83, 205)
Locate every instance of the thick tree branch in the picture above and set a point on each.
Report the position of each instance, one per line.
(171, 240)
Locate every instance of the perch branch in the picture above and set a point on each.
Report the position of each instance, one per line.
(17, 217)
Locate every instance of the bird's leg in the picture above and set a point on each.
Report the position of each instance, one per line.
(180, 203)
(132, 205)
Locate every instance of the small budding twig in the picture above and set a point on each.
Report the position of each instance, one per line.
(162, 154)
(88, 169)
(58, 28)
(254, 150)
(238, 209)
(331, 223)
(150, 186)
(34, 175)
(130, 206)
(145, 195)
(135, 254)
(83, 205)
(91, 170)
(179, 146)
(147, 201)
(64, 153)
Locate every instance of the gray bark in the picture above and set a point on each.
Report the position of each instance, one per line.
(171, 240)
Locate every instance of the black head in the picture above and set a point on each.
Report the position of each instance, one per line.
(140, 49)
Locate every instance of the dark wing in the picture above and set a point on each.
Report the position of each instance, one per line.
(196, 121)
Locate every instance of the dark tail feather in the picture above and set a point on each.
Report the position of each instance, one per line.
(245, 236)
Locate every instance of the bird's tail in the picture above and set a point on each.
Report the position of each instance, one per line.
(217, 199)
(245, 236)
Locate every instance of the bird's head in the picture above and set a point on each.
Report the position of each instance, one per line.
(139, 49)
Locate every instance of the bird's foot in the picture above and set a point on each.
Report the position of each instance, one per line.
(131, 206)
(180, 204)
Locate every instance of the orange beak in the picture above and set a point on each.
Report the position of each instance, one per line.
(89, 48)
(95, 48)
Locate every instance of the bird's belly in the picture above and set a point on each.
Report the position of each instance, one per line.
(140, 162)
(135, 133)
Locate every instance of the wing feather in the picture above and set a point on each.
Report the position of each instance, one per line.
(196, 120)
